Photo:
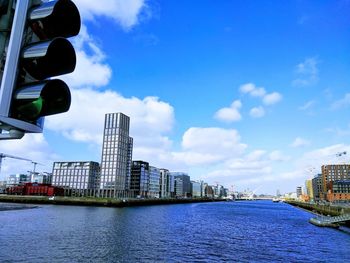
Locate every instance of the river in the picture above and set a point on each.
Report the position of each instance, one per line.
(252, 231)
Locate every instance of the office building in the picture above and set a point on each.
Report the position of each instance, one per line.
(77, 178)
(140, 177)
(196, 189)
(116, 156)
(182, 184)
(317, 187)
(154, 178)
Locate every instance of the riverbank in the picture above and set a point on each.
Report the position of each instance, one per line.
(321, 209)
(90, 201)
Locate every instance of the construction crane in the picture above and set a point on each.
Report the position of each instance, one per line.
(3, 155)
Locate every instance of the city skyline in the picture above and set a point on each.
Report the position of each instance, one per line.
(211, 92)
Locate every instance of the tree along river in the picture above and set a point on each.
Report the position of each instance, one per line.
(251, 231)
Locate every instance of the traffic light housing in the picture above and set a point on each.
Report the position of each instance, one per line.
(37, 50)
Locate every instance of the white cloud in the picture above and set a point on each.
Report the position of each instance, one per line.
(252, 90)
(91, 69)
(150, 117)
(213, 140)
(272, 98)
(300, 142)
(307, 105)
(229, 114)
(342, 103)
(124, 13)
(278, 156)
(33, 147)
(307, 72)
(257, 112)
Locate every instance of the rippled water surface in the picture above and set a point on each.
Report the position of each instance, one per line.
(259, 231)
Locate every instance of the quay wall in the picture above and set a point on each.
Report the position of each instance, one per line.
(322, 209)
(108, 202)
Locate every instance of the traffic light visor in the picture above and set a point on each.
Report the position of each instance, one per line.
(55, 19)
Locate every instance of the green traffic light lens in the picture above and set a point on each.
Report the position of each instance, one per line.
(32, 110)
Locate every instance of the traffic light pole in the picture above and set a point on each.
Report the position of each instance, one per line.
(14, 47)
(9, 75)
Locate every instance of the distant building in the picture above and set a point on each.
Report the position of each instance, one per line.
(42, 178)
(153, 187)
(208, 191)
(317, 187)
(331, 173)
(309, 189)
(140, 175)
(299, 191)
(164, 191)
(77, 178)
(3, 187)
(17, 179)
(116, 156)
(182, 184)
(339, 191)
(196, 189)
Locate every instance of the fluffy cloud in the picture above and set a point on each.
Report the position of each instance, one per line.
(272, 98)
(150, 117)
(250, 88)
(300, 142)
(254, 91)
(229, 114)
(90, 58)
(307, 73)
(124, 13)
(33, 147)
(257, 112)
(213, 140)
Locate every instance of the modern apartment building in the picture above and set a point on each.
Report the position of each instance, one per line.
(340, 191)
(77, 178)
(332, 173)
(163, 183)
(116, 156)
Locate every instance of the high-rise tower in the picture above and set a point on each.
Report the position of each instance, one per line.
(116, 156)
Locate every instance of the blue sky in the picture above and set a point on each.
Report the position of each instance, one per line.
(244, 93)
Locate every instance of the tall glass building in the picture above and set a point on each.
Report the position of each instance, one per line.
(116, 156)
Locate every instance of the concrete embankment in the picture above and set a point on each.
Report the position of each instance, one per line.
(321, 209)
(86, 201)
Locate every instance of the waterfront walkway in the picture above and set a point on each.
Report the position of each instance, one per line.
(330, 221)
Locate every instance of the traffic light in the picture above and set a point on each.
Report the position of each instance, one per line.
(37, 50)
